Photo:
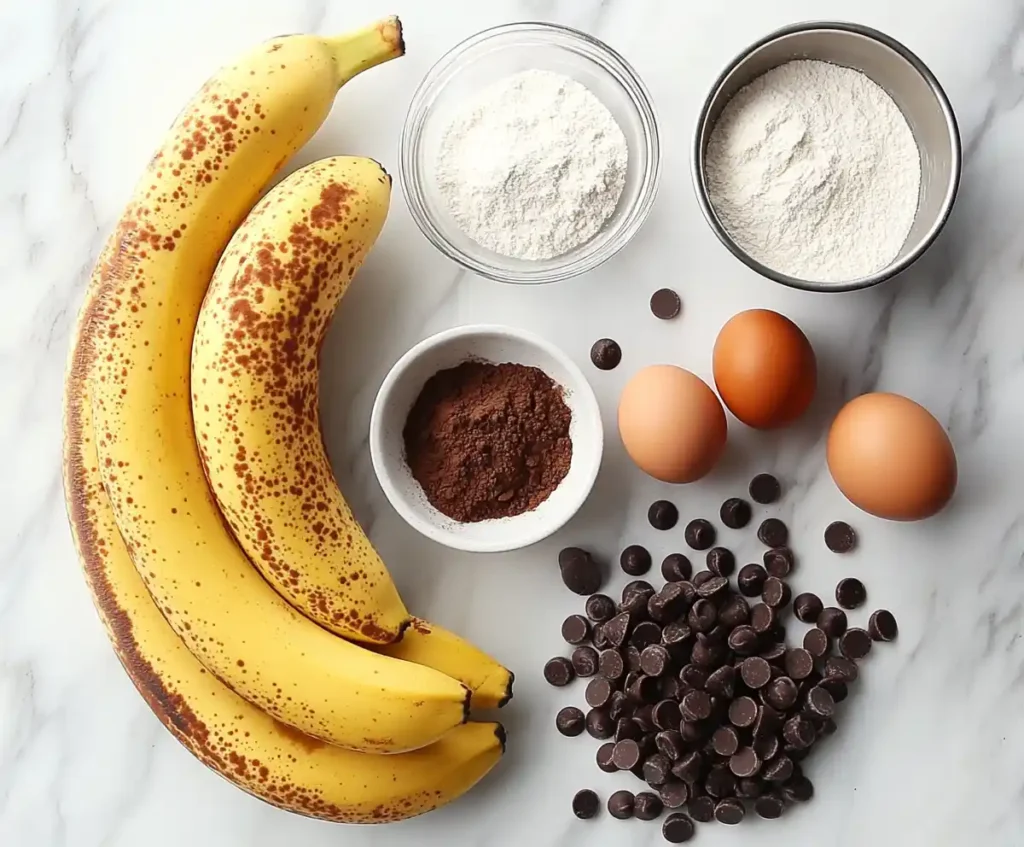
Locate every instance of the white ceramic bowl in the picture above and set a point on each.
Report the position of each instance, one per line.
(496, 344)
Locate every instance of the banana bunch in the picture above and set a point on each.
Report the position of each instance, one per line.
(193, 452)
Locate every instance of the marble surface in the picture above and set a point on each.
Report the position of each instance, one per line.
(930, 750)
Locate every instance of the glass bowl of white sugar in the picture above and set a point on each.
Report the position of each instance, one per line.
(530, 153)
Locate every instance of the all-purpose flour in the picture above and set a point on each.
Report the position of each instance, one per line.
(533, 166)
(814, 172)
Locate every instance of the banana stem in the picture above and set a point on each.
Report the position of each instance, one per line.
(357, 51)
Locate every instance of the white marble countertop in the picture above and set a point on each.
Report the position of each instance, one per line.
(931, 748)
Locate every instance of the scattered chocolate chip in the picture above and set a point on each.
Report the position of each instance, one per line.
(585, 804)
(799, 662)
(778, 769)
(604, 757)
(644, 690)
(735, 513)
(797, 790)
(654, 659)
(676, 568)
(778, 562)
(576, 629)
(751, 579)
(744, 640)
(699, 534)
(766, 746)
(749, 788)
(666, 715)
(689, 767)
(701, 809)
(799, 732)
(855, 643)
(765, 489)
(734, 612)
(772, 533)
(621, 804)
(678, 828)
(832, 621)
(627, 753)
(720, 782)
(559, 671)
(663, 514)
(580, 573)
(644, 634)
(643, 716)
(745, 762)
(816, 642)
(851, 593)
(807, 607)
(722, 683)
(701, 577)
(781, 693)
(840, 537)
(725, 741)
(841, 668)
(702, 616)
(762, 618)
(755, 672)
(605, 354)
(599, 724)
(769, 806)
(729, 811)
(665, 304)
(696, 706)
(836, 687)
(619, 706)
(611, 665)
(670, 744)
(598, 693)
(657, 769)
(776, 593)
(584, 661)
(647, 806)
(600, 608)
(635, 560)
(774, 653)
(694, 676)
(714, 587)
(742, 712)
(721, 561)
(820, 702)
(570, 721)
(616, 629)
(882, 626)
(674, 793)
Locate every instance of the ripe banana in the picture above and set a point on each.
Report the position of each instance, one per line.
(231, 736)
(227, 144)
(255, 391)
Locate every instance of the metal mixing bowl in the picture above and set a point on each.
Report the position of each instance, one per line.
(903, 76)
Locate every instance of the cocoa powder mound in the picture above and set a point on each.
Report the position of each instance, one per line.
(488, 440)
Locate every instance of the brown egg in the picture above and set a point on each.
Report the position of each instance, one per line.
(891, 458)
(671, 423)
(764, 369)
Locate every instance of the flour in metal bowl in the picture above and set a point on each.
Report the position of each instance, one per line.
(533, 166)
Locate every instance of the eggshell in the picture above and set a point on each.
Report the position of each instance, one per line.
(765, 369)
(891, 458)
(671, 423)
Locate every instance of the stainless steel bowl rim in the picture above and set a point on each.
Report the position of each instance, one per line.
(886, 273)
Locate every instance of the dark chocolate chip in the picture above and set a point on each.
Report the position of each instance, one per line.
(744, 640)
(841, 668)
(828, 727)
(600, 639)
(665, 304)
(735, 513)
(678, 828)
(725, 741)
(580, 573)
(855, 643)
(799, 732)
(756, 672)
(702, 616)
(576, 629)
(643, 717)
(627, 753)
(619, 706)
(729, 811)
(797, 790)
(644, 689)
(701, 577)
(832, 621)
(670, 744)
(816, 642)
(666, 715)
(674, 793)
(799, 662)
(745, 762)
(765, 489)
(781, 693)
(835, 686)
(695, 677)
(654, 659)
(778, 769)
(699, 534)
(776, 593)
(663, 514)
(559, 671)
(882, 626)
(722, 683)
(674, 599)
(617, 629)
(689, 767)
(766, 746)
(772, 533)
(807, 607)
(749, 788)
(598, 693)
(599, 724)
(644, 634)
(584, 661)
(751, 579)
(767, 724)
(600, 608)
(820, 702)
(702, 809)
(637, 587)
(851, 593)
(621, 804)
(585, 804)
(840, 537)
(605, 354)
(769, 806)
(570, 721)
(696, 705)
(707, 653)
(762, 618)
(742, 712)
(720, 782)
(720, 561)
(778, 561)
(775, 653)
(611, 665)
(676, 567)
(657, 769)
(734, 612)
(635, 560)
(631, 653)
(604, 757)
(714, 587)
(647, 806)
(676, 638)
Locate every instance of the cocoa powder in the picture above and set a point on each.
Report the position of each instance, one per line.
(488, 440)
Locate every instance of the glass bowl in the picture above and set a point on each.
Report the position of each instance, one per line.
(487, 57)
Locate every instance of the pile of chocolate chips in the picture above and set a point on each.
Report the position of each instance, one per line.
(693, 687)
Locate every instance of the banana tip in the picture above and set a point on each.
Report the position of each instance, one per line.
(501, 735)
(391, 32)
(508, 690)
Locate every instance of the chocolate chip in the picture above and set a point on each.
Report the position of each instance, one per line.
(820, 702)
(742, 712)
(617, 629)
(855, 643)
(644, 634)
(725, 741)
(744, 640)
(774, 653)
(619, 706)
(702, 616)
(836, 687)
(674, 793)
(598, 693)
(722, 683)
(781, 693)
(735, 513)
(778, 561)
(621, 804)
(734, 612)
(767, 723)
(644, 689)
(670, 744)
(605, 354)
(559, 671)
(701, 577)
(635, 560)
(584, 661)
(611, 665)
(569, 721)
(662, 514)
(678, 828)
(832, 621)
(765, 489)
(627, 754)
(797, 790)
(675, 567)
(714, 587)
(769, 806)
(766, 746)
(604, 757)
(772, 533)
(689, 767)
(657, 769)
(643, 716)
(778, 769)
(799, 661)
(675, 637)
(882, 626)
(696, 706)
(654, 659)
(756, 672)
(749, 788)
(707, 653)
(807, 607)
(729, 811)
(585, 804)
(647, 806)
(851, 593)
(840, 537)
(599, 724)
(694, 676)
(841, 668)
(751, 579)
(745, 762)
(702, 809)
(576, 629)
(665, 304)
(762, 618)
(699, 534)
(600, 608)
(776, 593)
(720, 782)
(721, 561)
(666, 715)
(799, 732)
(580, 573)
